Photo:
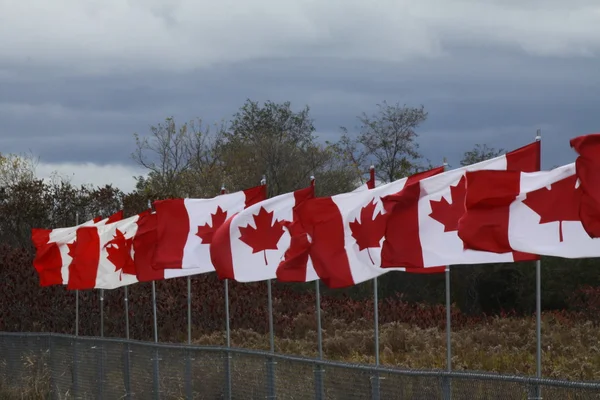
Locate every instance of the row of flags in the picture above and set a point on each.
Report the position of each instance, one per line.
(500, 210)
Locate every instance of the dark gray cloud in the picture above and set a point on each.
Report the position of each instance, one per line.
(473, 95)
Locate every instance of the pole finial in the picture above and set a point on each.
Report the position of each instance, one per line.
(538, 135)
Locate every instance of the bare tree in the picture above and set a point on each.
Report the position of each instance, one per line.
(389, 138)
(180, 159)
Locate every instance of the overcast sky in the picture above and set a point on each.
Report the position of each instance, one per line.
(79, 77)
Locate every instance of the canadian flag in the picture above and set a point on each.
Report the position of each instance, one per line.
(422, 227)
(249, 246)
(103, 256)
(552, 213)
(185, 227)
(346, 232)
(144, 245)
(54, 250)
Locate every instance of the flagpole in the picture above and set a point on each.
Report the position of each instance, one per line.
(75, 356)
(447, 388)
(375, 287)
(126, 374)
(188, 361)
(375, 379)
(101, 313)
(156, 384)
(101, 348)
(319, 388)
(538, 305)
(154, 317)
(271, 361)
(227, 331)
(189, 310)
(126, 312)
(77, 290)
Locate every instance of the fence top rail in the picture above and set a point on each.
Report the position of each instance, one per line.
(530, 380)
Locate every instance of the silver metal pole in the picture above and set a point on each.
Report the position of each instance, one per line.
(271, 333)
(126, 366)
(446, 382)
(189, 309)
(188, 361)
(126, 312)
(101, 312)
(154, 312)
(448, 323)
(375, 379)
(156, 384)
(227, 332)
(75, 355)
(271, 361)
(77, 291)
(228, 339)
(538, 319)
(448, 309)
(227, 327)
(538, 308)
(319, 389)
(319, 330)
(376, 318)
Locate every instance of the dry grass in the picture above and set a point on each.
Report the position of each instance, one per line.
(571, 350)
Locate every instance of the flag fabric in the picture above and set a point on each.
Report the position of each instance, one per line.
(103, 255)
(422, 227)
(144, 245)
(346, 232)
(552, 213)
(250, 245)
(544, 213)
(588, 167)
(54, 250)
(185, 227)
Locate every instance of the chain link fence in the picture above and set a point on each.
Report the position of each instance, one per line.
(51, 366)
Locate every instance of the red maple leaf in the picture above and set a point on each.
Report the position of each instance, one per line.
(559, 203)
(448, 214)
(119, 253)
(205, 232)
(371, 228)
(265, 236)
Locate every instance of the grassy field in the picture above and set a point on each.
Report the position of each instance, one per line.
(571, 350)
